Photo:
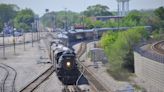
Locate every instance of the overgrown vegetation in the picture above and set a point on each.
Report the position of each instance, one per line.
(119, 45)
(119, 49)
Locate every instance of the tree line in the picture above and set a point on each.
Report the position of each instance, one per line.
(13, 16)
(119, 45)
(59, 18)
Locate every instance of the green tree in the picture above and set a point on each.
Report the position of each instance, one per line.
(23, 19)
(88, 22)
(108, 39)
(110, 23)
(60, 18)
(7, 13)
(97, 10)
(160, 13)
(132, 19)
(119, 48)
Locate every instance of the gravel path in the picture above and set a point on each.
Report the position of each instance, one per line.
(50, 85)
(25, 63)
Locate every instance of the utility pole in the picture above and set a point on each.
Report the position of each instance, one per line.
(24, 39)
(47, 10)
(32, 24)
(4, 57)
(52, 23)
(83, 21)
(38, 28)
(36, 25)
(55, 22)
(118, 15)
(14, 41)
(66, 29)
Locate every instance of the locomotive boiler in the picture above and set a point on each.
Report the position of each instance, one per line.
(65, 62)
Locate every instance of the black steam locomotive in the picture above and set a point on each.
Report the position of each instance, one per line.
(65, 62)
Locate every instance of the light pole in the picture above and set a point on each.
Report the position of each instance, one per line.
(46, 10)
(32, 33)
(4, 57)
(118, 22)
(36, 26)
(66, 19)
(83, 21)
(14, 41)
(24, 39)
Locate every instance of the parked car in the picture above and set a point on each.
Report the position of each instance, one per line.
(16, 33)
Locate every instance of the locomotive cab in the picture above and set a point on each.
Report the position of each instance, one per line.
(68, 69)
(67, 61)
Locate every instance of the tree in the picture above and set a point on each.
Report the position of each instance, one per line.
(159, 12)
(119, 48)
(97, 10)
(7, 13)
(24, 19)
(60, 18)
(132, 19)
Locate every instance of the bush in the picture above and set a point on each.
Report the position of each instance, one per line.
(120, 74)
(119, 49)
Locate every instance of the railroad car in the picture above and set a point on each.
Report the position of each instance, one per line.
(65, 63)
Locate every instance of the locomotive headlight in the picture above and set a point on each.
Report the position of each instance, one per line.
(68, 64)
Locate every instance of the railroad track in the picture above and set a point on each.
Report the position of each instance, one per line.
(35, 83)
(41, 78)
(95, 84)
(71, 88)
(159, 47)
(8, 81)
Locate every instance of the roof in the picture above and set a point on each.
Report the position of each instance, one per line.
(109, 16)
(80, 30)
(102, 29)
(61, 35)
(59, 46)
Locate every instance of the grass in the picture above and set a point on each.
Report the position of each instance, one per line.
(120, 75)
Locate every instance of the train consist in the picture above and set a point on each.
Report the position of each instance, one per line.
(64, 60)
(96, 33)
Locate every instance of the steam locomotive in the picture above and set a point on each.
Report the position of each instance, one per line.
(65, 62)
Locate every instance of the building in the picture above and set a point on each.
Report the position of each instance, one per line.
(106, 18)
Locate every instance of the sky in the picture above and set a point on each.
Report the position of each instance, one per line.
(39, 6)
